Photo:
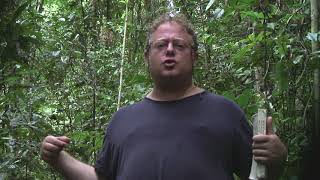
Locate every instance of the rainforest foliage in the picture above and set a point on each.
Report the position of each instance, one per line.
(61, 63)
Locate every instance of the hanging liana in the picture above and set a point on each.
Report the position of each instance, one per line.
(122, 56)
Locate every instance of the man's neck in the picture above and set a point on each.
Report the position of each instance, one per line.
(161, 94)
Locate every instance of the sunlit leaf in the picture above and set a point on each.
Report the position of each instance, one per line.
(62, 19)
(298, 59)
(210, 4)
(55, 53)
(271, 25)
(312, 36)
(218, 13)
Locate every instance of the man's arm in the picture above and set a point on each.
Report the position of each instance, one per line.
(71, 168)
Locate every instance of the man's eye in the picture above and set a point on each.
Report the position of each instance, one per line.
(160, 45)
(180, 46)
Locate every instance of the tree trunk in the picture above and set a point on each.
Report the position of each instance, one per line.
(94, 97)
(315, 47)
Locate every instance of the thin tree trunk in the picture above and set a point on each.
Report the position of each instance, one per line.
(94, 97)
(122, 57)
(94, 36)
(84, 42)
(315, 47)
(108, 10)
(26, 169)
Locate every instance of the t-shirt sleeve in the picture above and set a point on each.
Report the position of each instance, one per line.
(242, 149)
(104, 166)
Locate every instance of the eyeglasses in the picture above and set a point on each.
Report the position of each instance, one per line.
(177, 44)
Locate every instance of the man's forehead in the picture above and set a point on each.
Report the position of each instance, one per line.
(172, 38)
(171, 30)
(170, 25)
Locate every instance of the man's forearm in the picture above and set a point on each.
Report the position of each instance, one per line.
(72, 168)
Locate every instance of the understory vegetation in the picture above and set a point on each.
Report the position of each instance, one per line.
(61, 62)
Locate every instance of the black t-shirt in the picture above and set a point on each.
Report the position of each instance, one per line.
(201, 137)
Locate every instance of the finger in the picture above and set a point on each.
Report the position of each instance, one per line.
(259, 146)
(64, 139)
(51, 147)
(269, 125)
(260, 153)
(260, 138)
(55, 141)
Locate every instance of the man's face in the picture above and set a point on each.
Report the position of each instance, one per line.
(170, 53)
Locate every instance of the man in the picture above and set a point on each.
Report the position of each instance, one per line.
(178, 131)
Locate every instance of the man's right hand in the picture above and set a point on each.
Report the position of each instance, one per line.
(65, 164)
(51, 147)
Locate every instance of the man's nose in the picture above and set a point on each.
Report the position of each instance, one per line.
(170, 49)
(170, 46)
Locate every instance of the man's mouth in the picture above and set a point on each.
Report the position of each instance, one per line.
(169, 63)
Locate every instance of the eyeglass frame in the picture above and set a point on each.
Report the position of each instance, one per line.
(167, 42)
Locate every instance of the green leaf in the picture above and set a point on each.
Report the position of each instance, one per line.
(248, 2)
(79, 136)
(230, 95)
(210, 4)
(244, 98)
(12, 80)
(252, 15)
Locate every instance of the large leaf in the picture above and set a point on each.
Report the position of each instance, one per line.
(244, 98)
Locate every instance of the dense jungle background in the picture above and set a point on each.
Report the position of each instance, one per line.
(67, 65)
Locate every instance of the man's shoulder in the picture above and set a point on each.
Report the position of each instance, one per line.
(127, 114)
(133, 107)
(219, 99)
(222, 102)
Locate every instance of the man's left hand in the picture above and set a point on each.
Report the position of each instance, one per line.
(268, 149)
